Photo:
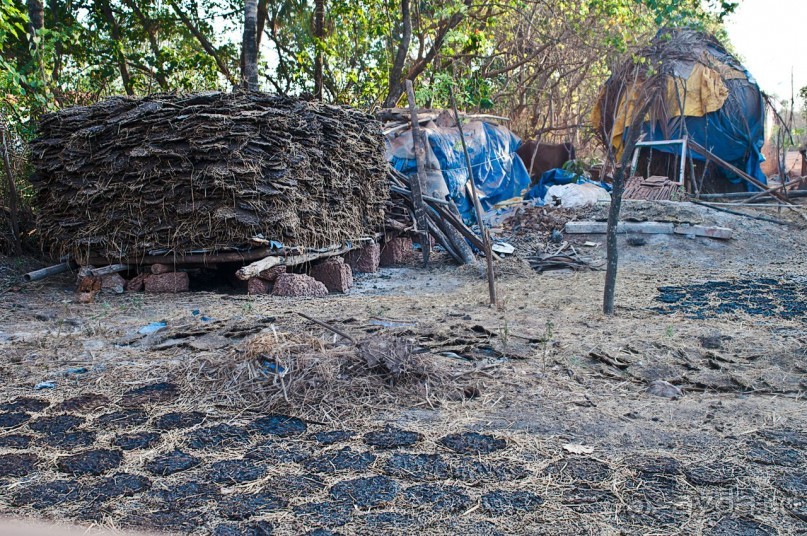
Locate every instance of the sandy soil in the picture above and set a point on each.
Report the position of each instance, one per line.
(560, 434)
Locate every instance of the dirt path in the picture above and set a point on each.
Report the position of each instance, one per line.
(562, 436)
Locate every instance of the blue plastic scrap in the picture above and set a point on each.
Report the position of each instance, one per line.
(200, 316)
(154, 327)
(498, 173)
(45, 385)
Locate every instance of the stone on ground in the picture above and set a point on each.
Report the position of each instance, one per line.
(334, 274)
(299, 286)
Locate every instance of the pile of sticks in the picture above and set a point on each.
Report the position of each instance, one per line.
(445, 225)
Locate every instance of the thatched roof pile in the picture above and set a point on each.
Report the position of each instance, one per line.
(209, 172)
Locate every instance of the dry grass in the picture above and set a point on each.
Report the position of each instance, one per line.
(307, 375)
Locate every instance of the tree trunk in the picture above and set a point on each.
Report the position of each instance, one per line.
(395, 82)
(13, 198)
(319, 34)
(119, 56)
(36, 17)
(249, 46)
(616, 205)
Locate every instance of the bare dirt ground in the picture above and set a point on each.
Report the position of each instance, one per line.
(544, 426)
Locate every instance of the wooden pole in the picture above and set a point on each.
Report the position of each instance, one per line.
(417, 185)
(477, 205)
(745, 176)
(783, 186)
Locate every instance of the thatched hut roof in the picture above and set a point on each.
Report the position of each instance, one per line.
(694, 88)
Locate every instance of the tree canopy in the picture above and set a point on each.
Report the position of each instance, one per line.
(541, 62)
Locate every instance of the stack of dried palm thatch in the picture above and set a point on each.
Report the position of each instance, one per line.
(178, 173)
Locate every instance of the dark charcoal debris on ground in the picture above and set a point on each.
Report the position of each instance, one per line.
(69, 440)
(714, 474)
(187, 494)
(150, 394)
(83, 403)
(474, 472)
(579, 470)
(390, 521)
(502, 502)
(793, 484)
(365, 492)
(651, 486)
(122, 418)
(45, 495)
(791, 438)
(55, 424)
(329, 514)
(172, 462)
(289, 486)
(583, 498)
(332, 437)
(216, 436)
(391, 437)
(25, 404)
(654, 464)
(730, 526)
(442, 498)
(169, 520)
(417, 466)
(15, 441)
(120, 485)
(278, 425)
(13, 419)
(245, 505)
(236, 471)
(472, 443)
(91, 462)
(137, 440)
(17, 465)
(765, 297)
(279, 452)
(474, 528)
(258, 528)
(345, 459)
(178, 420)
(644, 514)
(765, 454)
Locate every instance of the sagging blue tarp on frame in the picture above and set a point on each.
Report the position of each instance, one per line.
(499, 174)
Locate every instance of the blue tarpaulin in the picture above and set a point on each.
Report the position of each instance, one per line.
(735, 132)
(499, 174)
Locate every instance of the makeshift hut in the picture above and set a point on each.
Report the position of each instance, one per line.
(704, 125)
(131, 180)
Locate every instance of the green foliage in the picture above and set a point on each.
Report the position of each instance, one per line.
(540, 61)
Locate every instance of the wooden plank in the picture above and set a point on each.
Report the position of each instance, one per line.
(748, 178)
(416, 185)
(253, 270)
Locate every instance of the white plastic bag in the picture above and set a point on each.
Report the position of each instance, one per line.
(575, 195)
